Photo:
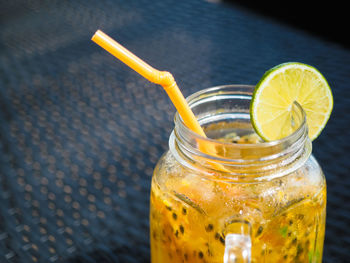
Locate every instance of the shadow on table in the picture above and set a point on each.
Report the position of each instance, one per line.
(319, 19)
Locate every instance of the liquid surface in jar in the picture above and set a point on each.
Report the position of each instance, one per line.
(190, 216)
(232, 132)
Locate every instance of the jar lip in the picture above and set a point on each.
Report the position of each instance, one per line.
(295, 136)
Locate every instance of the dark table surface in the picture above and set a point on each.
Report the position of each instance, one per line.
(80, 133)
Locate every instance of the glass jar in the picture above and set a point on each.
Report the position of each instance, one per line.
(224, 200)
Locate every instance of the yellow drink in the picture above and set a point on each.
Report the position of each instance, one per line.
(273, 193)
(189, 226)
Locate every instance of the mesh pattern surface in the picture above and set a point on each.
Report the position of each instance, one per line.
(80, 133)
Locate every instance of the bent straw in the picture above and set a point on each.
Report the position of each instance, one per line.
(163, 78)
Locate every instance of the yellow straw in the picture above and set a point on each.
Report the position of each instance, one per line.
(163, 78)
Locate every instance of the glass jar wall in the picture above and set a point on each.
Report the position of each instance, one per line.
(271, 195)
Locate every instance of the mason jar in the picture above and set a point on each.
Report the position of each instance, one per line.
(231, 197)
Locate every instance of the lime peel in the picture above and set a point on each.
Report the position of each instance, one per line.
(277, 90)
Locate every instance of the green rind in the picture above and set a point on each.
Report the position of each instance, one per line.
(266, 74)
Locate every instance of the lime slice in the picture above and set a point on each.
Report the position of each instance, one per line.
(271, 105)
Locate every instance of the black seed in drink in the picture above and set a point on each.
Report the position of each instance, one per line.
(174, 216)
(300, 216)
(217, 236)
(184, 211)
(177, 233)
(209, 252)
(209, 228)
(294, 242)
(299, 250)
(260, 229)
(182, 230)
(220, 238)
(168, 207)
(285, 257)
(200, 254)
(290, 222)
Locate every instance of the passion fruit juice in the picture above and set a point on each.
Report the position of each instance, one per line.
(191, 215)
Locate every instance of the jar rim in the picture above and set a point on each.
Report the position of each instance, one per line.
(244, 162)
(200, 94)
(254, 160)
